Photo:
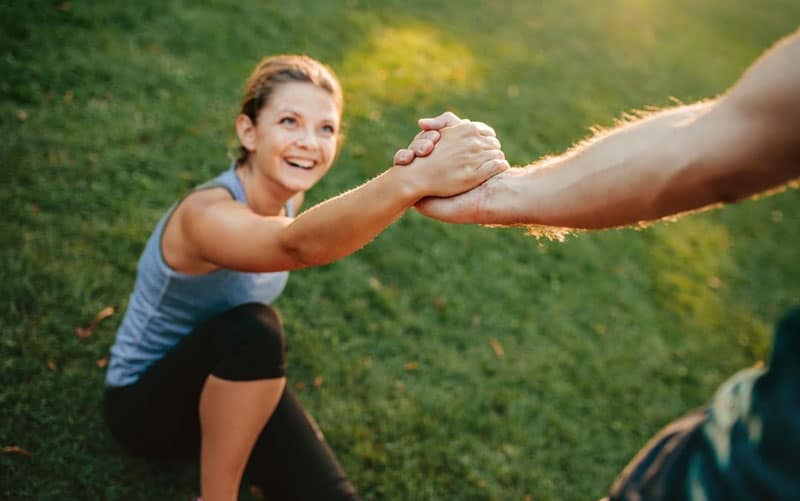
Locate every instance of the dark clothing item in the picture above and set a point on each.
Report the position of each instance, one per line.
(744, 446)
(157, 417)
(292, 461)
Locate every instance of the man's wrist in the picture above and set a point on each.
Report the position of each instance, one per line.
(496, 203)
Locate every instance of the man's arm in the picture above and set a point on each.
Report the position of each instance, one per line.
(676, 160)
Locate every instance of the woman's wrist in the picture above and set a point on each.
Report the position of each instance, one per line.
(408, 183)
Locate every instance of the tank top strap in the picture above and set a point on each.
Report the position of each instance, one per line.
(228, 180)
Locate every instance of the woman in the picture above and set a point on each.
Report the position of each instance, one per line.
(198, 361)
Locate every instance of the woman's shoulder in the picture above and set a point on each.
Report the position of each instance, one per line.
(201, 200)
(192, 214)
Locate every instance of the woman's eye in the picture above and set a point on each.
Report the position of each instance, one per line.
(288, 121)
(328, 129)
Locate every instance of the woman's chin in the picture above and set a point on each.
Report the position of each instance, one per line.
(297, 179)
(297, 185)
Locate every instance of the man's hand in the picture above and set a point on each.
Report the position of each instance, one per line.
(423, 143)
(484, 204)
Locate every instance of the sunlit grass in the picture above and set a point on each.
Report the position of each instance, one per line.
(406, 66)
(687, 260)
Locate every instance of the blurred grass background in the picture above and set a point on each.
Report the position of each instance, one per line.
(451, 362)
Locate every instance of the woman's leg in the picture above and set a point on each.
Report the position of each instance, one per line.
(232, 414)
(238, 397)
(159, 416)
(215, 387)
(291, 459)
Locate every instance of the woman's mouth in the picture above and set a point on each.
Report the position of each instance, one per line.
(301, 163)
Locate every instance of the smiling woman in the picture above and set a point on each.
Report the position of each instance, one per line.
(198, 363)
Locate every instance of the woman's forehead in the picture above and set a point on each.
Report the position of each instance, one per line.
(303, 98)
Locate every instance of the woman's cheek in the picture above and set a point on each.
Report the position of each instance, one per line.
(330, 151)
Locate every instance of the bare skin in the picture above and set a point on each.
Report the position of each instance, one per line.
(232, 414)
(681, 159)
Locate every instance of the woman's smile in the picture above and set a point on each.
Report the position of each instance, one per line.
(301, 163)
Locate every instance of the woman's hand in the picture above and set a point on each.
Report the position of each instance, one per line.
(424, 142)
(465, 155)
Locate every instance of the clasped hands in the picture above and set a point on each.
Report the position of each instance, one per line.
(466, 207)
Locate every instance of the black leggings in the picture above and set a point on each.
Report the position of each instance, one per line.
(157, 417)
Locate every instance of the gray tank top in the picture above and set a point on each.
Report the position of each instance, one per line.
(166, 304)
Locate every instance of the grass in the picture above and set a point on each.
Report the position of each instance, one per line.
(111, 111)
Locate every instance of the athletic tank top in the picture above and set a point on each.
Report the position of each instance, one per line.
(166, 304)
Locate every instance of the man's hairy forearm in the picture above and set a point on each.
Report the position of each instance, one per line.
(616, 178)
(672, 161)
(665, 163)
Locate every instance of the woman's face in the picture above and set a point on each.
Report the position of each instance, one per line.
(295, 138)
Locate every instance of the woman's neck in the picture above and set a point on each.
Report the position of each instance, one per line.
(263, 197)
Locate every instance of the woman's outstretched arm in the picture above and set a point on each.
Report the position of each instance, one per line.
(228, 234)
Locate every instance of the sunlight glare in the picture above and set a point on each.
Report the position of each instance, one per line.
(406, 65)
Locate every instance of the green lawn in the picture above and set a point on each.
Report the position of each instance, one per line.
(109, 111)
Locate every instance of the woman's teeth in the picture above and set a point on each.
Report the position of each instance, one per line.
(301, 163)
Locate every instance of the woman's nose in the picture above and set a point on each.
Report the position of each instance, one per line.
(305, 138)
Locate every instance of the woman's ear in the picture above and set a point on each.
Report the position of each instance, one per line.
(246, 130)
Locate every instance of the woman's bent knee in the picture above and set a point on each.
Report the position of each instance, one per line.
(252, 344)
